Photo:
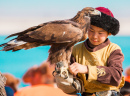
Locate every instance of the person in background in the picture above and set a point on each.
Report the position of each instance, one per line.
(29, 76)
(97, 61)
(11, 85)
(41, 81)
(35, 74)
(127, 73)
(2, 85)
(9, 91)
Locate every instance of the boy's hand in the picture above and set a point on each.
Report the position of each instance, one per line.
(78, 68)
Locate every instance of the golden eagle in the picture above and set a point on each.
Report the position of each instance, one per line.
(60, 34)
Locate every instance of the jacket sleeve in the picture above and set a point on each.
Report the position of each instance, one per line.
(112, 73)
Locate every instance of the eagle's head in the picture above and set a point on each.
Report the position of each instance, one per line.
(83, 18)
(84, 15)
(89, 11)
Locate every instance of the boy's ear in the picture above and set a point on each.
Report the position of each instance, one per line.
(109, 34)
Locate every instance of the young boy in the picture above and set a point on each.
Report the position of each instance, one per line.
(97, 61)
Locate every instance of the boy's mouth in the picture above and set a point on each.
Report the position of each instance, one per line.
(95, 40)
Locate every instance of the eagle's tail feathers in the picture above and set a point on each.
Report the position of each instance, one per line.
(11, 35)
(27, 46)
(8, 47)
(11, 45)
(3, 44)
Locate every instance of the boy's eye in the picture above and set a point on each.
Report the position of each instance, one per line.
(100, 33)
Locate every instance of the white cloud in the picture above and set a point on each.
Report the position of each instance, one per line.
(124, 26)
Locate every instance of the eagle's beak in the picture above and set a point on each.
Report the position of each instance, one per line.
(96, 12)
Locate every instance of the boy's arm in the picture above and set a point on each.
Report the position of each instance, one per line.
(113, 71)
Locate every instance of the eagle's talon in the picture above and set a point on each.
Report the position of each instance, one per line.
(64, 74)
(59, 64)
(61, 70)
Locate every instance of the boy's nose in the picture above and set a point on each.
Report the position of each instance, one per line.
(95, 35)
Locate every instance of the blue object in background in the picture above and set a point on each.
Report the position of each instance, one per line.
(9, 91)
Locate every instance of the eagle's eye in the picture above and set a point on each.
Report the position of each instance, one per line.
(91, 9)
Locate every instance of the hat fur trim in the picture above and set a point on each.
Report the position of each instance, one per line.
(108, 23)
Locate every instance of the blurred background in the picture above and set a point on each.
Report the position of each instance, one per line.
(18, 15)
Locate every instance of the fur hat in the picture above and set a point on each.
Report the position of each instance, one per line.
(106, 21)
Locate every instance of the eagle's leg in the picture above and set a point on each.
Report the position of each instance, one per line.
(62, 66)
(64, 79)
(60, 55)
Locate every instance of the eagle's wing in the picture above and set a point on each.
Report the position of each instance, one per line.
(45, 34)
(53, 32)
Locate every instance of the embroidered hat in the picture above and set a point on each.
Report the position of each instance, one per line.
(106, 21)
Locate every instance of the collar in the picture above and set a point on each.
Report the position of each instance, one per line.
(95, 48)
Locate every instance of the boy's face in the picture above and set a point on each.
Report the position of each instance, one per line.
(97, 35)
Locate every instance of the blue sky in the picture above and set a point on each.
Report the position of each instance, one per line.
(18, 15)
